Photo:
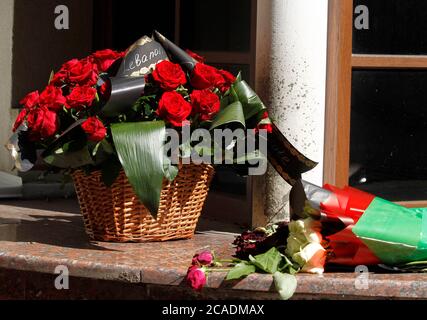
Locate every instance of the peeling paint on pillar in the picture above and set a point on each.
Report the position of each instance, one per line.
(291, 78)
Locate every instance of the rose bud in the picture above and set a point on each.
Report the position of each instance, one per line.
(205, 258)
(94, 129)
(196, 278)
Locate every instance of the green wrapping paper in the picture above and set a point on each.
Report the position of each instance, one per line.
(393, 233)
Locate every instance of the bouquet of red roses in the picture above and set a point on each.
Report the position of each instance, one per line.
(111, 110)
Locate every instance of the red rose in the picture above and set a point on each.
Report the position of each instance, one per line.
(84, 73)
(94, 129)
(195, 56)
(42, 123)
(31, 100)
(229, 79)
(81, 97)
(264, 126)
(205, 103)
(173, 108)
(104, 59)
(196, 278)
(169, 75)
(206, 77)
(204, 258)
(20, 119)
(52, 98)
(63, 74)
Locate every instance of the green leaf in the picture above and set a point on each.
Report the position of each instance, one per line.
(251, 156)
(269, 261)
(241, 270)
(286, 285)
(141, 153)
(71, 159)
(170, 171)
(101, 152)
(252, 104)
(185, 150)
(233, 113)
(52, 74)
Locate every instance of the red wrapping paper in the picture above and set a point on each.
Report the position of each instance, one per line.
(347, 205)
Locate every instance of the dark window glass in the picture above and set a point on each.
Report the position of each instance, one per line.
(388, 154)
(395, 27)
(216, 25)
(132, 20)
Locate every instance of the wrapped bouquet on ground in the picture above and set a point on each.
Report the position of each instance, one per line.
(334, 227)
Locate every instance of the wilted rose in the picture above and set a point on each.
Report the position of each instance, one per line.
(204, 258)
(196, 278)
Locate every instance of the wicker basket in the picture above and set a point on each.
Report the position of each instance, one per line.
(116, 215)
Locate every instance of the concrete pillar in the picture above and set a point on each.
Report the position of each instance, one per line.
(291, 79)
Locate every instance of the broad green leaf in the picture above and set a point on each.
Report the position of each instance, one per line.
(252, 104)
(241, 270)
(232, 114)
(269, 261)
(286, 284)
(140, 150)
(67, 160)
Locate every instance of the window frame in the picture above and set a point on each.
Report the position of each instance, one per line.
(341, 62)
